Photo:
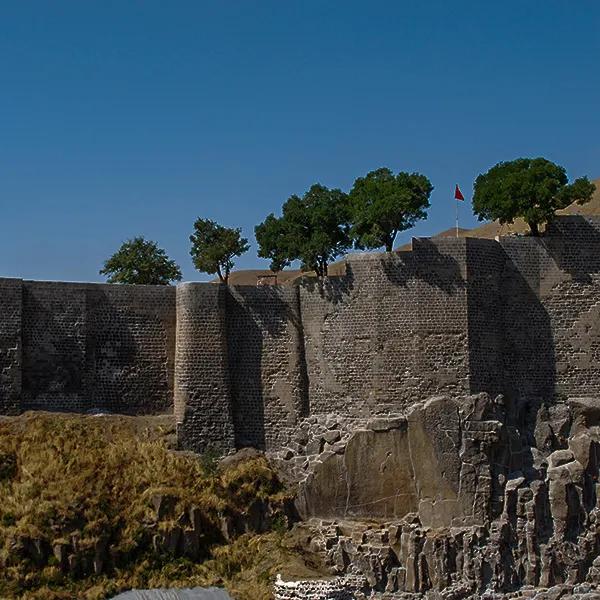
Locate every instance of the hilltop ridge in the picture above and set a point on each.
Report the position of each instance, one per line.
(486, 231)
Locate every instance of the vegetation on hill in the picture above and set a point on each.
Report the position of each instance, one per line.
(140, 261)
(384, 204)
(95, 505)
(214, 247)
(530, 188)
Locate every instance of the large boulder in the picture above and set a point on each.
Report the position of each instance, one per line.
(433, 461)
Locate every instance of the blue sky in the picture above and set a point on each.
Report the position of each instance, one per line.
(124, 118)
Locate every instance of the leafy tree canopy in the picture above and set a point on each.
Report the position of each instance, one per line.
(214, 247)
(383, 204)
(270, 235)
(312, 229)
(531, 188)
(141, 261)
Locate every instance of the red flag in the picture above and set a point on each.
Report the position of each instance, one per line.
(458, 194)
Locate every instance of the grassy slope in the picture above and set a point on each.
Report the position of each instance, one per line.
(78, 480)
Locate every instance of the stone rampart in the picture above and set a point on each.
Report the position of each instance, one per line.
(202, 381)
(244, 365)
(86, 347)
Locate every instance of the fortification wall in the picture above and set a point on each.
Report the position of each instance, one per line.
(392, 330)
(11, 303)
(485, 309)
(518, 316)
(268, 370)
(202, 382)
(80, 347)
(552, 311)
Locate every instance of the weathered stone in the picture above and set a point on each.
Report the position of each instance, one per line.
(332, 436)
(386, 423)
(164, 505)
(315, 446)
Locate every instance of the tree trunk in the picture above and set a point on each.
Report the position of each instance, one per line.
(221, 278)
(535, 230)
(320, 268)
(389, 241)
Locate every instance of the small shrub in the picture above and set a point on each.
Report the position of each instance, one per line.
(8, 465)
(7, 520)
(210, 461)
(279, 524)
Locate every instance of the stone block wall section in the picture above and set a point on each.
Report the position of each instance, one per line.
(393, 329)
(267, 365)
(202, 382)
(86, 347)
(11, 306)
(518, 316)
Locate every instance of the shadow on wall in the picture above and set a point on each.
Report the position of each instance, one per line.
(427, 264)
(573, 242)
(334, 289)
(511, 345)
(94, 348)
(120, 375)
(53, 349)
(529, 364)
(548, 286)
(268, 380)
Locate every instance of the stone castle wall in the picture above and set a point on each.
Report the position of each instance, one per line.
(243, 365)
(393, 329)
(82, 347)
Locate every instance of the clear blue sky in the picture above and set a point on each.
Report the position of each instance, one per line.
(123, 118)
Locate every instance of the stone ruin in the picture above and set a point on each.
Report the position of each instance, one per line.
(437, 408)
(454, 499)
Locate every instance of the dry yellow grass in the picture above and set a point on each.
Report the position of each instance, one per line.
(82, 479)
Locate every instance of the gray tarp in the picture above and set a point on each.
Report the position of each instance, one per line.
(190, 594)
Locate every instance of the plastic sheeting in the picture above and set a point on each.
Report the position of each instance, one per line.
(190, 594)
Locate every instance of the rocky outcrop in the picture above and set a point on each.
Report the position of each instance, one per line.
(470, 499)
(434, 460)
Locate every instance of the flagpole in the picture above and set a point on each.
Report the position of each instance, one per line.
(456, 202)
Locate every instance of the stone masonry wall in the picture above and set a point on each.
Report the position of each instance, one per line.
(11, 303)
(569, 291)
(394, 328)
(485, 306)
(518, 316)
(551, 312)
(202, 382)
(81, 347)
(267, 368)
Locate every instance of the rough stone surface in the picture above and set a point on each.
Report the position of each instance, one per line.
(517, 317)
(86, 347)
(437, 460)
(480, 519)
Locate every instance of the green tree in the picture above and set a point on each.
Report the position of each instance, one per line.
(531, 188)
(141, 261)
(270, 235)
(312, 229)
(214, 247)
(384, 204)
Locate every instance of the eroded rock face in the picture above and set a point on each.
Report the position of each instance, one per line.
(434, 461)
(472, 499)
